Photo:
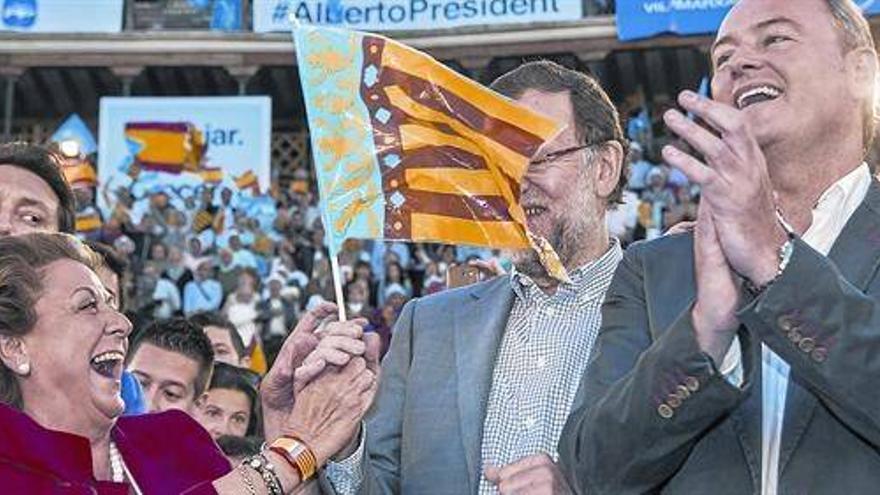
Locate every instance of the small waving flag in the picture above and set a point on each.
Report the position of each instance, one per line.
(248, 180)
(79, 173)
(407, 149)
(170, 147)
(211, 175)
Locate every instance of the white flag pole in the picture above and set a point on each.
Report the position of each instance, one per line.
(337, 285)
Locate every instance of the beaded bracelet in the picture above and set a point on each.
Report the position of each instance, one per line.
(266, 470)
(246, 478)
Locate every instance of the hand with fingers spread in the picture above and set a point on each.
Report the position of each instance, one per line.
(277, 388)
(714, 313)
(735, 183)
(535, 474)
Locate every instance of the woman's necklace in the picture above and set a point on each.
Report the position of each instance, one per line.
(116, 470)
(119, 471)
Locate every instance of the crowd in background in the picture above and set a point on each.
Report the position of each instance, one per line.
(209, 251)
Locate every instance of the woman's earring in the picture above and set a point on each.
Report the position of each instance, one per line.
(24, 369)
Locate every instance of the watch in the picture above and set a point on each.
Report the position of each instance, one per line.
(295, 451)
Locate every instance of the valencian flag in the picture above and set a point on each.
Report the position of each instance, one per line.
(407, 149)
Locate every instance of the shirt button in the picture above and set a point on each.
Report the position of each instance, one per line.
(530, 422)
(541, 362)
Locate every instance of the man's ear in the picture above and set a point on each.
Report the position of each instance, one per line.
(862, 64)
(245, 362)
(607, 168)
(14, 355)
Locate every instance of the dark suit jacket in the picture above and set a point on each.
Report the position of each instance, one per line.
(655, 416)
(424, 433)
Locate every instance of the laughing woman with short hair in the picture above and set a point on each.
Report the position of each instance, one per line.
(62, 347)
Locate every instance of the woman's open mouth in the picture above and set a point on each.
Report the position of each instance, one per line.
(108, 364)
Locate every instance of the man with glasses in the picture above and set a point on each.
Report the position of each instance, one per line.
(479, 380)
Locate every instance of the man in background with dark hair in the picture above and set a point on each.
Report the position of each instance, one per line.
(34, 196)
(508, 353)
(172, 360)
(225, 340)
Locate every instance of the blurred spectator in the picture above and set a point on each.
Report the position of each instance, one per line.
(242, 257)
(227, 271)
(203, 292)
(321, 282)
(194, 253)
(279, 312)
(623, 219)
(658, 190)
(159, 255)
(176, 228)
(166, 295)
(656, 200)
(394, 275)
(176, 271)
(356, 300)
(638, 169)
(684, 210)
(241, 307)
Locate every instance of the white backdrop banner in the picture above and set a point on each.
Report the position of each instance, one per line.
(181, 145)
(393, 15)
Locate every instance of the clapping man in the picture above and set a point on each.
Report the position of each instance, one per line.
(743, 358)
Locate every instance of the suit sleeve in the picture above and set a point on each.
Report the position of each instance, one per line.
(384, 423)
(829, 332)
(643, 401)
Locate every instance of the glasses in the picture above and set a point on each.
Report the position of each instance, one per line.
(555, 156)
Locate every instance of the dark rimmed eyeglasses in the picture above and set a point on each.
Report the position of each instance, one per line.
(558, 154)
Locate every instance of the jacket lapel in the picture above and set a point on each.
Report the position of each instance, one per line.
(478, 325)
(856, 255)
